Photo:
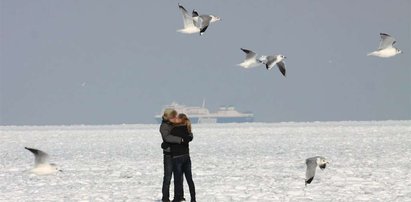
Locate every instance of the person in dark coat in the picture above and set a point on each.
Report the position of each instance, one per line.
(165, 130)
(181, 158)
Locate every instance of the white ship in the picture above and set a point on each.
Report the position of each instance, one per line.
(226, 114)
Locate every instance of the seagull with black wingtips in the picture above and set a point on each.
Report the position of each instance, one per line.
(41, 164)
(386, 48)
(250, 60)
(272, 60)
(312, 164)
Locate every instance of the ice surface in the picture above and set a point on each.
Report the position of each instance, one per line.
(370, 161)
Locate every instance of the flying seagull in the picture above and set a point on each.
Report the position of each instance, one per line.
(203, 21)
(312, 164)
(272, 60)
(386, 48)
(250, 59)
(189, 27)
(41, 165)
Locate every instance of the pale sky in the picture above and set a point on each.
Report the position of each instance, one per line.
(110, 62)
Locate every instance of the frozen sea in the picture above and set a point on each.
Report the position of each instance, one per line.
(370, 161)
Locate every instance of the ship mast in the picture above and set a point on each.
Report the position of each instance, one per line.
(203, 106)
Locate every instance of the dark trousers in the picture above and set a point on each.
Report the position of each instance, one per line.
(182, 165)
(168, 171)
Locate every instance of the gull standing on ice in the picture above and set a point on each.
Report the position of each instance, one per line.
(312, 164)
(189, 27)
(386, 48)
(41, 165)
(271, 61)
(250, 59)
(203, 21)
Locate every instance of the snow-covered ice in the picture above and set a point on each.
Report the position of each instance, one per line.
(369, 161)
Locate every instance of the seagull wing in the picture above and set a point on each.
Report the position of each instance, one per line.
(205, 21)
(271, 61)
(203, 29)
(188, 20)
(386, 41)
(40, 157)
(194, 13)
(310, 172)
(196, 18)
(249, 54)
(281, 66)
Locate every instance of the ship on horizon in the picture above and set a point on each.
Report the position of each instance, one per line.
(225, 114)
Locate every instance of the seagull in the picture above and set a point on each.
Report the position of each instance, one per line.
(386, 48)
(312, 164)
(250, 59)
(189, 27)
(271, 61)
(41, 165)
(203, 21)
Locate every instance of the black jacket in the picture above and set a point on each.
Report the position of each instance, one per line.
(165, 130)
(181, 149)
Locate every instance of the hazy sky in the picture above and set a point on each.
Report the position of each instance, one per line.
(109, 62)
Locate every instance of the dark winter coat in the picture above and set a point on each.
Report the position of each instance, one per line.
(183, 148)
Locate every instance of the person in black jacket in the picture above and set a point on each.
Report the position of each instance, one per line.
(181, 158)
(165, 130)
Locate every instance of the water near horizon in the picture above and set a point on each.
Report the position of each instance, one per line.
(370, 161)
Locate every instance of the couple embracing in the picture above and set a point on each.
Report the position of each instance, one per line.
(176, 132)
